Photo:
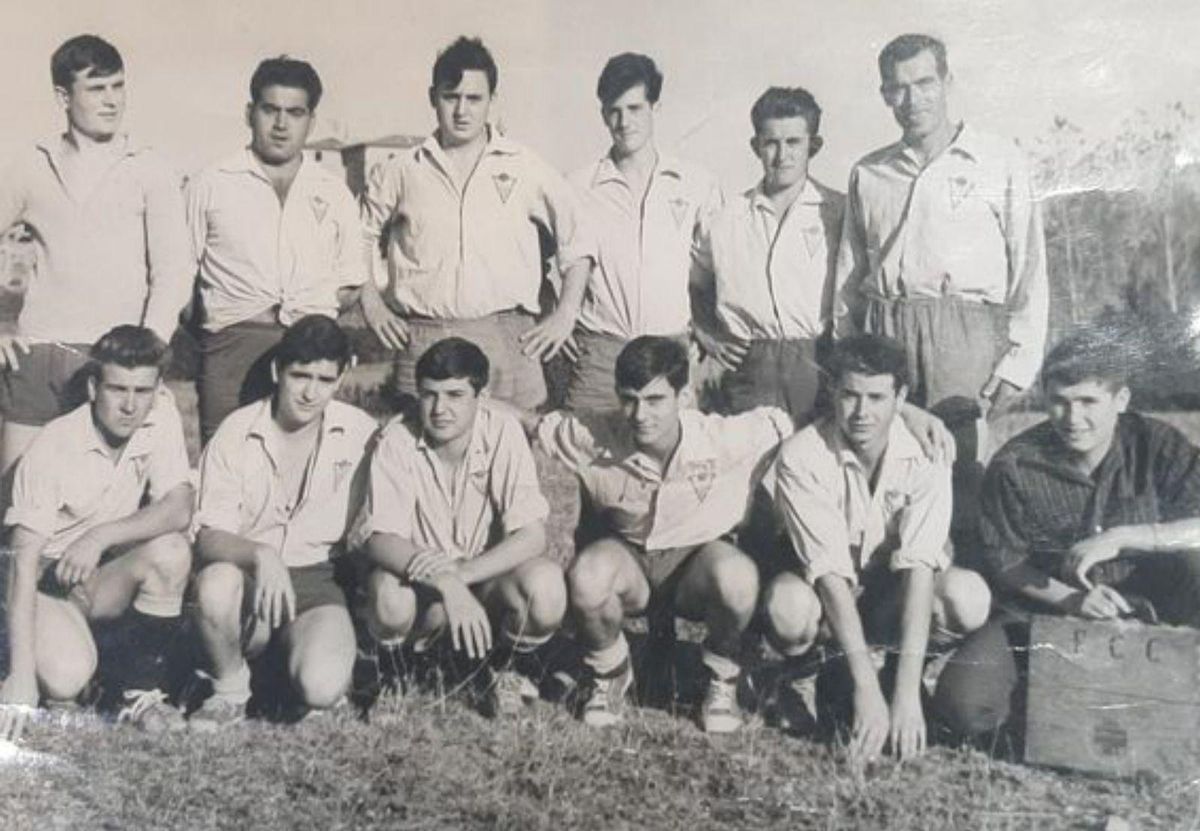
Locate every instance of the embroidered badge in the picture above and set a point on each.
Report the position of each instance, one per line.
(680, 208)
(341, 470)
(894, 501)
(961, 189)
(814, 239)
(505, 182)
(319, 208)
(701, 475)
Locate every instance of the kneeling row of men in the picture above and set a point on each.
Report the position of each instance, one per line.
(439, 520)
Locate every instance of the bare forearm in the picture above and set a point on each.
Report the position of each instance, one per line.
(1034, 584)
(21, 601)
(915, 613)
(390, 552)
(574, 284)
(842, 613)
(172, 513)
(216, 546)
(521, 545)
(1179, 535)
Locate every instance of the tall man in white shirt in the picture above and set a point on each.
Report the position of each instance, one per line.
(649, 210)
(276, 236)
(461, 215)
(763, 283)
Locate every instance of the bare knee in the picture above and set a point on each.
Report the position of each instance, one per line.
(170, 561)
(964, 600)
(66, 657)
(321, 662)
(391, 606)
(793, 613)
(733, 578)
(544, 595)
(219, 593)
(591, 578)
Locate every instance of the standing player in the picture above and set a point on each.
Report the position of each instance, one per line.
(280, 484)
(942, 249)
(764, 281)
(112, 247)
(100, 503)
(277, 237)
(649, 211)
(868, 516)
(457, 529)
(462, 214)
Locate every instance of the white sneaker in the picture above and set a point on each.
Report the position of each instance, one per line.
(149, 710)
(719, 712)
(603, 698)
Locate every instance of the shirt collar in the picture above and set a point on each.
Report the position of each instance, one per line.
(965, 143)
(902, 445)
(477, 452)
(90, 440)
(244, 161)
(811, 193)
(498, 144)
(695, 444)
(59, 144)
(607, 170)
(261, 426)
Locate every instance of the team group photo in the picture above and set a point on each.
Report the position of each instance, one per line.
(429, 481)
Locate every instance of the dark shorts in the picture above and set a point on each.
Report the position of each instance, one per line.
(49, 381)
(80, 595)
(235, 369)
(775, 373)
(323, 584)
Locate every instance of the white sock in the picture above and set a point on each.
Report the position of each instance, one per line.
(606, 660)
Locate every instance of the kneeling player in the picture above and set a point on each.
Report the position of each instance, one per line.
(457, 528)
(671, 486)
(280, 484)
(99, 504)
(868, 515)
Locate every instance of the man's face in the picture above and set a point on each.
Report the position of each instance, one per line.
(630, 121)
(782, 145)
(917, 95)
(462, 111)
(448, 409)
(94, 104)
(864, 406)
(652, 413)
(1084, 415)
(303, 391)
(121, 399)
(279, 123)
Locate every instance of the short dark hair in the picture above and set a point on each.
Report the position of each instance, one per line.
(314, 338)
(868, 355)
(909, 46)
(286, 72)
(454, 358)
(1089, 354)
(128, 346)
(625, 71)
(464, 54)
(786, 102)
(88, 54)
(648, 357)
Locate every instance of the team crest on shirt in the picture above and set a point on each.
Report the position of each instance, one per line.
(341, 469)
(701, 475)
(319, 208)
(814, 239)
(961, 189)
(896, 500)
(505, 182)
(680, 208)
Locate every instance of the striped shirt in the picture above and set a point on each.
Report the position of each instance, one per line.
(1036, 505)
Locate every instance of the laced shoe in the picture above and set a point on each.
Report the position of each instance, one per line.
(719, 712)
(506, 693)
(149, 711)
(217, 712)
(602, 698)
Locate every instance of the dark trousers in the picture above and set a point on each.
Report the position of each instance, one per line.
(235, 369)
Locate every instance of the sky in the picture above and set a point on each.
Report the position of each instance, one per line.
(1017, 64)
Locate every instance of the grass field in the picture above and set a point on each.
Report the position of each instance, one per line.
(436, 764)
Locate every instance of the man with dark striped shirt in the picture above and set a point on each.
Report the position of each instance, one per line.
(1093, 513)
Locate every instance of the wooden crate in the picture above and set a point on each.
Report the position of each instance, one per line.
(1114, 698)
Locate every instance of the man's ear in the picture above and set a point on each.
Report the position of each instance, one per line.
(62, 95)
(249, 115)
(754, 144)
(815, 143)
(901, 395)
(274, 374)
(1122, 398)
(91, 387)
(687, 398)
(432, 96)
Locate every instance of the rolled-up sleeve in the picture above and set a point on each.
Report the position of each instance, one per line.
(35, 493)
(813, 519)
(514, 478)
(168, 466)
(564, 437)
(561, 210)
(390, 506)
(169, 252)
(350, 262)
(924, 521)
(219, 505)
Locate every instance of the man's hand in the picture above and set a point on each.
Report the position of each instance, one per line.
(18, 699)
(10, 346)
(871, 723)
(470, 629)
(728, 352)
(79, 561)
(427, 566)
(274, 598)
(545, 339)
(931, 434)
(388, 326)
(1091, 552)
(1098, 603)
(997, 392)
(907, 734)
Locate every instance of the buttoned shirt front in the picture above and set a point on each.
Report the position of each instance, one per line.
(115, 254)
(469, 253)
(703, 494)
(256, 254)
(242, 492)
(773, 276)
(1036, 504)
(68, 482)
(839, 525)
(639, 285)
(464, 511)
(965, 225)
